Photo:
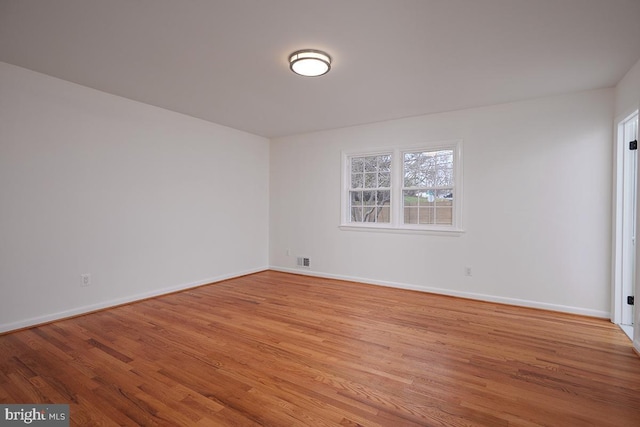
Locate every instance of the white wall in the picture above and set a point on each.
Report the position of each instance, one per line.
(537, 202)
(145, 200)
(627, 101)
(627, 93)
(140, 198)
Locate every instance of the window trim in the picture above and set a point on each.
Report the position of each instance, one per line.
(396, 224)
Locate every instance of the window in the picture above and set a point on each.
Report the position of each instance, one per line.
(427, 191)
(370, 188)
(403, 189)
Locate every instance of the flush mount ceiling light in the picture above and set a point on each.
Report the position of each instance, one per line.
(310, 62)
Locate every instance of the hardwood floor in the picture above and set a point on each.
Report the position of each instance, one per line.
(286, 350)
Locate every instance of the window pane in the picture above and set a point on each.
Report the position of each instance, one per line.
(411, 215)
(384, 214)
(370, 180)
(371, 164)
(369, 214)
(356, 214)
(444, 216)
(368, 197)
(356, 198)
(384, 179)
(357, 180)
(383, 197)
(411, 198)
(427, 216)
(384, 163)
(357, 164)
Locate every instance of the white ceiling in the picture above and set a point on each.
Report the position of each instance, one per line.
(226, 60)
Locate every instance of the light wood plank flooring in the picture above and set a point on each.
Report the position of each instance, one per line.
(286, 350)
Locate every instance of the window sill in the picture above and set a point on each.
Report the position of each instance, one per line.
(453, 232)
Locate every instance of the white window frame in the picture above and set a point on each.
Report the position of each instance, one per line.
(396, 224)
(348, 183)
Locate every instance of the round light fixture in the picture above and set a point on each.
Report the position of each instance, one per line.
(310, 62)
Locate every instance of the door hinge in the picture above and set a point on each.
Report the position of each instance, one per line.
(630, 300)
(633, 145)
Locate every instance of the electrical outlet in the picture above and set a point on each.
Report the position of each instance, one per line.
(467, 271)
(85, 280)
(288, 252)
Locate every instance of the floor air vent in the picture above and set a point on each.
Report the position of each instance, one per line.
(303, 262)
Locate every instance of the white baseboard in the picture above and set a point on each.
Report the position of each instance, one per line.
(26, 323)
(442, 291)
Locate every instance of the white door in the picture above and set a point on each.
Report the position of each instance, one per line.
(628, 131)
